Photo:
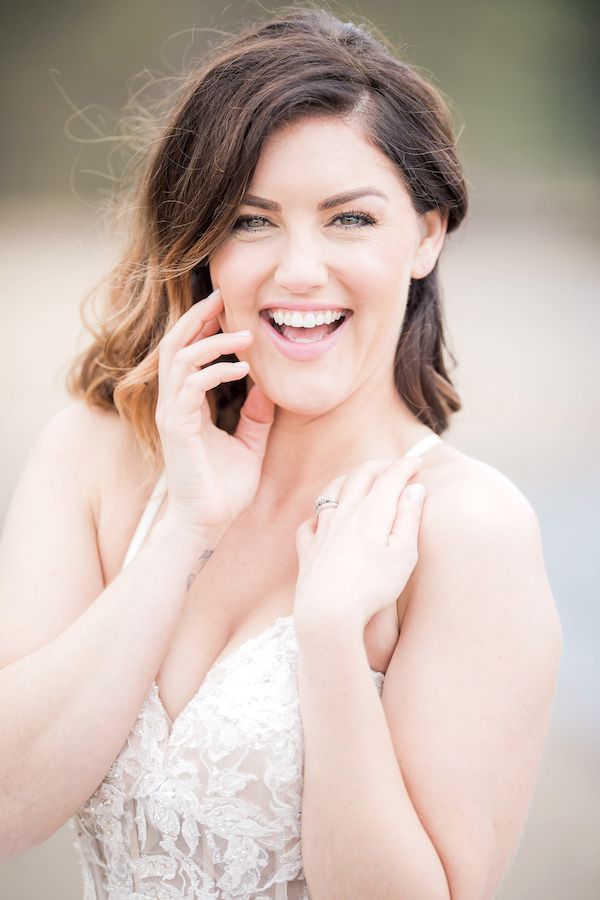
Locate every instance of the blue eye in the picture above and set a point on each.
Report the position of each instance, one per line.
(368, 220)
(242, 223)
(244, 220)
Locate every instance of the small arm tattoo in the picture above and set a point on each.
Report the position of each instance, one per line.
(206, 554)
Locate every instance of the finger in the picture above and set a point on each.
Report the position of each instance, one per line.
(405, 528)
(185, 329)
(200, 354)
(361, 480)
(350, 488)
(208, 348)
(210, 326)
(332, 489)
(193, 320)
(381, 502)
(195, 387)
(256, 418)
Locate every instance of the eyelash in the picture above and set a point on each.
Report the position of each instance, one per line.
(366, 218)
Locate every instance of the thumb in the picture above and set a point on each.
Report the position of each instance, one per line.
(256, 418)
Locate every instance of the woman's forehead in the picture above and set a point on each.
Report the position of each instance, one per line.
(324, 156)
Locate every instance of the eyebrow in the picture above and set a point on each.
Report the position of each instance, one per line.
(329, 203)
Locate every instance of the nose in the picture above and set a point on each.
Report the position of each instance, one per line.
(301, 266)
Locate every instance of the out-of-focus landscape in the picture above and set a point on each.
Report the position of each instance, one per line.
(520, 277)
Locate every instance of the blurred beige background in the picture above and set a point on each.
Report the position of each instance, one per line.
(521, 292)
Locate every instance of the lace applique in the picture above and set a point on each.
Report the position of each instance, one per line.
(210, 808)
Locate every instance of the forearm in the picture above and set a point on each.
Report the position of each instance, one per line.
(361, 835)
(68, 707)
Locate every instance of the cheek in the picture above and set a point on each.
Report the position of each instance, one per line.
(379, 268)
(235, 265)
(238, 272)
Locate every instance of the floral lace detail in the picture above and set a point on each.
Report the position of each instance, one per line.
(208, 809)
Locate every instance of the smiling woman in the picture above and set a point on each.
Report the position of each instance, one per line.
(247, 124)
(316, 251)
(277, 670)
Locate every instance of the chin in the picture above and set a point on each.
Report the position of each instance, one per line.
(303, 399)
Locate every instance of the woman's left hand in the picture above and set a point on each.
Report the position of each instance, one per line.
(355, 559)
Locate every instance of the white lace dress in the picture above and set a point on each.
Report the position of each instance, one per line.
(207, 807)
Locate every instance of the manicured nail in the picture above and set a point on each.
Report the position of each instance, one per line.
(416, 492)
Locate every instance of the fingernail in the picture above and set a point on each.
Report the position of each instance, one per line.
(416, 492)
(213, 294)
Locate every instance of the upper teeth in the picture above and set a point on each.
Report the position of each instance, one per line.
(306, 320)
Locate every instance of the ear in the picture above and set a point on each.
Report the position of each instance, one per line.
(433, 226)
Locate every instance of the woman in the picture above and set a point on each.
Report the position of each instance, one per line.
(261, 664)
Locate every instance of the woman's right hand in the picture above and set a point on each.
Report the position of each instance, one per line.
(212, 476)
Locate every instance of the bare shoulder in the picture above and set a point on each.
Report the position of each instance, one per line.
(477, 526)
(86, 424)
(459, 484)
(95, 439)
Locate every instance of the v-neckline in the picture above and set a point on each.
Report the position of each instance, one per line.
(235, 651)
(157, 497)
(213, 668)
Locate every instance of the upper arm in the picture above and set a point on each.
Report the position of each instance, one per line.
(50, 569)
(469, 689)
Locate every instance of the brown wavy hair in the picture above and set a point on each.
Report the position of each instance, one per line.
(301, 62)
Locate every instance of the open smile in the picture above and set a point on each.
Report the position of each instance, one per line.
(299, 344)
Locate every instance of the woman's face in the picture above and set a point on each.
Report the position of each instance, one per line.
(302, 244)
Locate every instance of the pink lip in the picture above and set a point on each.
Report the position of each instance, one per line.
(303, 351)
(303, 307)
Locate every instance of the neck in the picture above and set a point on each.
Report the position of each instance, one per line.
(304, 453)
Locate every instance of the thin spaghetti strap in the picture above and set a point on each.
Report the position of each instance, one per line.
(424, 444)
(147, 518)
